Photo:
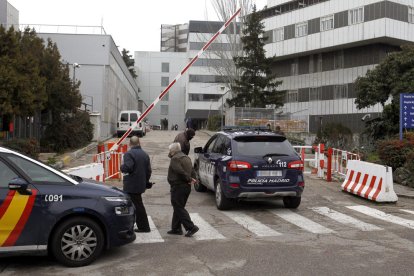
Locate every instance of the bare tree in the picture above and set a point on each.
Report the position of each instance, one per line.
(221, 58)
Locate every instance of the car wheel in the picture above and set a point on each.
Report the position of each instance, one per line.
(291, 202)
(222, 202)
(199, 187)
(77, 242)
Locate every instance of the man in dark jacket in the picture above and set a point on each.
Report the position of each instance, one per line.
(184, 139)
(137, 168)
(180, 176)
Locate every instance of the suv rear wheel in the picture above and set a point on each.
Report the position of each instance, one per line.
(77, 242)
(222, 202)
(291, 202)
(199, 187)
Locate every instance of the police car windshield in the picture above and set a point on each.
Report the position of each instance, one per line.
(262, 145)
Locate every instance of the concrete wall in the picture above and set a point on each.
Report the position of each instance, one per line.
(103, 75)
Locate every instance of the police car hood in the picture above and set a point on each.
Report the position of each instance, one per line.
(99, 189)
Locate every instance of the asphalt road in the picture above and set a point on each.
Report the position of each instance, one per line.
(331, 233)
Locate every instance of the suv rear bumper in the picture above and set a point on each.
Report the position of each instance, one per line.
(254, 195)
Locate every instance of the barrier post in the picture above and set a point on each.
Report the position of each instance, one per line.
(321, 165)
(329, 166)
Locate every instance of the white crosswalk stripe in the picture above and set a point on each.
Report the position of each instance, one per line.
(151, 237)
(407, 211)
(252, 225)
(206, 232)
(345, 219)
(383, 216)
(302, 222)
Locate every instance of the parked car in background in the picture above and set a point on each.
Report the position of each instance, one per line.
(249, 164)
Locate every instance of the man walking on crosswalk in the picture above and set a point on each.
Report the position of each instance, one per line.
(181, 176)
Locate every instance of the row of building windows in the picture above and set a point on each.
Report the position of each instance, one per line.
(215, 46)
(322, 93)
(340, 59)
(351, 17)
(212, 62)
(203, 97)
(207, 78)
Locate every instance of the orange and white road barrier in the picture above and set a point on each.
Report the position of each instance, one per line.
(163, 93)
(93, 171)
(370, 181)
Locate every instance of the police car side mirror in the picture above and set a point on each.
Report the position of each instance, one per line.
(198, 150)
(18, 184)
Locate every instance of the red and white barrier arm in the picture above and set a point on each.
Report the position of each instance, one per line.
(163, 93)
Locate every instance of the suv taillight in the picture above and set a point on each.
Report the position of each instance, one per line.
(235, 166)
(297, 165)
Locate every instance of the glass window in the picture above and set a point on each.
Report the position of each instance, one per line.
(292, 96)
(165, 81)
(278, 34)
(301, 29)
(6, 174)
(356, 15)
(219, 145)
(294, 68)
(339, 60)
(315, 94)
(319, 63)
(165, 67)
(341, 91)
(411, 14)
(133, 117)
(35, 172)
(262, 145)
(124, 117)
(210, 144)
(164, 109)
(166, 97)
(327, 23)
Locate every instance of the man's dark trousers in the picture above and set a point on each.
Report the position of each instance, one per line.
(140, 213)
(179, 196)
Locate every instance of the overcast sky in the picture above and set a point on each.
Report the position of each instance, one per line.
(134, 24)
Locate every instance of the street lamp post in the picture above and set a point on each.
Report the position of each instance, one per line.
(222, 108)
(75, 65)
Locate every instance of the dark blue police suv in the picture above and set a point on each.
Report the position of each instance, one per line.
(252, 164)
(44, 210)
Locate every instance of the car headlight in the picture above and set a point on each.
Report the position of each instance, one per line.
(117, 199)
(122, 210)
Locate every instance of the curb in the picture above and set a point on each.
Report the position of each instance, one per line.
(66, 159)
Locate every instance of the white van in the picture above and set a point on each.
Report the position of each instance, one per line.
(126, 119)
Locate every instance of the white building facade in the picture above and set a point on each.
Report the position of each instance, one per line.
(323, 46)
(155, 71)
(9, 15)
(107, 86)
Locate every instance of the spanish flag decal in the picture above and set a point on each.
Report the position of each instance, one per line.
(14, 213)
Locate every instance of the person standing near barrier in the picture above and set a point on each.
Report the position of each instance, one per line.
(184, 139)
(137, 168)
(181, 176)
(279, 131)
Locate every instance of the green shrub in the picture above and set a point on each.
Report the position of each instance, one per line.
(335, 135)
(214, 123)
(409, 164)
(29, 147)
(69, 132)
(394, 152)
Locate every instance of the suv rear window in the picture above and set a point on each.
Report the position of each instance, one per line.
(262, 145)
